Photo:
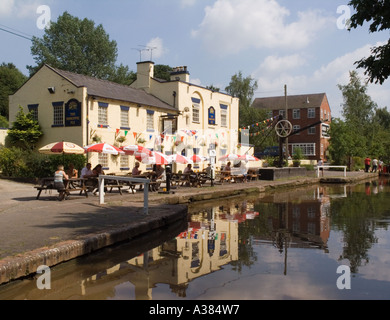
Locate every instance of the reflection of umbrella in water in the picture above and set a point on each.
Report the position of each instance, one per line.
(103, 148)
(62, 148)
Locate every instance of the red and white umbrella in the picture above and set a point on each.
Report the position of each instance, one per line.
(103, 148)
(156, 158)
(247, 157)
(197, 159)
(132, 149)
(229, 157)
(62, 148)
(178, 158)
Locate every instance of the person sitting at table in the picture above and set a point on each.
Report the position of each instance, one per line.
(98, 170)
(72, 172)
(86, 172)
(188, 169)
(59, 177)
(136, 171)
(208, 170)
(228, 168)
(160, 173)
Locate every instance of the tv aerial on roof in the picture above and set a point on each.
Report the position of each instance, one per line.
(147, 48)
(140, 52)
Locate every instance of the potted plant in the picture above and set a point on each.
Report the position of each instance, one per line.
(141, 141)
(96, 138)
(297, 157)
(121, 139)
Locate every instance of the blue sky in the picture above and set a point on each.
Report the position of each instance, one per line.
(299, 43)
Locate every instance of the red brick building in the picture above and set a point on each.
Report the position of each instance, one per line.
(303, 110)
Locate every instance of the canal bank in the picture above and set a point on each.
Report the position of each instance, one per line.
(48, 232)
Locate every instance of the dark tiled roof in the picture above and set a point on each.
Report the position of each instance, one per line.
(111, 90)
(293, 102)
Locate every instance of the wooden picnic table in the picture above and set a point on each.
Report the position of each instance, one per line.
(193, 179)
(154, 185)
(71, 185)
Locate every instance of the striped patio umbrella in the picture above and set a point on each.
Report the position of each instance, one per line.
(103, 148)
(178, 158)
(229, 157)
(132, 149)
(197, 159)
(156, 158)
(62, 147)
(247, 157)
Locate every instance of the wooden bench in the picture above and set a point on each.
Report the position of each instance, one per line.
(43, 188)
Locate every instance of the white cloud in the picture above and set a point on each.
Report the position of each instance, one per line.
(230, 26)
(272, 77)
(187, 3)
(157, 49)
(6, 7)
(21, 9)
(278, 64)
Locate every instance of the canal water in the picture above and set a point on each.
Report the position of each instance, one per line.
(317, 242)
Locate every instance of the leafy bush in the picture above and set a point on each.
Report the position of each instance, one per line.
(18, 163)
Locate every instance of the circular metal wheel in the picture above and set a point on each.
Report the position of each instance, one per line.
(283, 128)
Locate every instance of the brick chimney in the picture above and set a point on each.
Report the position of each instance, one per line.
(145, 72)
(180, 74)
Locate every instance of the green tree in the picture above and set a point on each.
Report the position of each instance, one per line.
(25, 131)
(244, 89)
(162, 71)
(78, 46)
(123, 75)
(11, 79)
(377, 14)
(359, 111)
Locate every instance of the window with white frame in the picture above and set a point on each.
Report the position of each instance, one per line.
(103, 114)
(103, 159)
(125, 117)
(311, 130)
(296, 128)
(58, 114)
(296, 113)
(196, 113)
(311, 113)
(308, 149)
(195, 110)
(325, 130)
(124, 161)
(149, 120)
(224, 115)
(282, 113)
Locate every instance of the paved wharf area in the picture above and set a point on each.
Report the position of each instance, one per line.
(48, 232)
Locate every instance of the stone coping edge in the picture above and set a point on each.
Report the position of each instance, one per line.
(13, 268)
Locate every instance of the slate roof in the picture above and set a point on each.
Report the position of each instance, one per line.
(111, 90)
(293, 102)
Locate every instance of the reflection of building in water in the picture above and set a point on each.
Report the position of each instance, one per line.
(300, 224)
(210, 242)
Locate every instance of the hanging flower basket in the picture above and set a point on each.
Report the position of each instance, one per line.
(121, 139)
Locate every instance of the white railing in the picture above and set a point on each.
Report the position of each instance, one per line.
(327, 167)
(146, 183)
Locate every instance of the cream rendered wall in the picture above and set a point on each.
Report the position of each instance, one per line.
(110, 134)
(35, 91)
(206, 133)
